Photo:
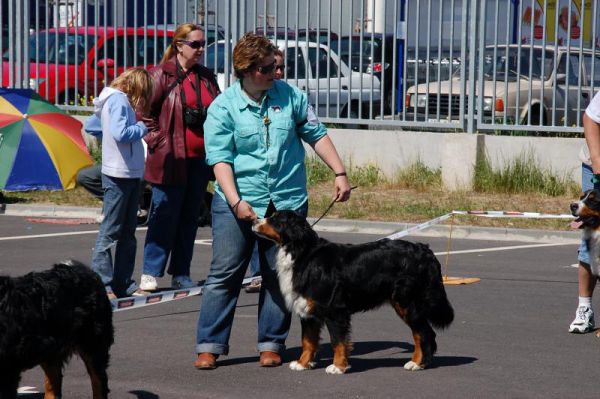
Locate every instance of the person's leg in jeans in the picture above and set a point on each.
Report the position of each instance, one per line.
(162, 227)
(584, 315)
(118, 196)
(90, 178)
(273, 316)
(232, 247)
(124, 263)
(198, 173)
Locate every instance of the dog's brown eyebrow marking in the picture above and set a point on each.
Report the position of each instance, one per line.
(266, 229)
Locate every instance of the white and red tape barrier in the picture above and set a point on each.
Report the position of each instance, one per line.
(167, 296)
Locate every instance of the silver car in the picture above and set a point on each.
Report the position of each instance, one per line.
(521, 84)
(334, 90)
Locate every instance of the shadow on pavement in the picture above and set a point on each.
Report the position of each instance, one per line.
(325, 356)
(144, 395)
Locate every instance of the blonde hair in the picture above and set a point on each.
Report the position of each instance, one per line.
(180, 34)
(136, 83)
(249, 53)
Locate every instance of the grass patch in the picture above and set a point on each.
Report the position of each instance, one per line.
(419, 177)
(522, 175)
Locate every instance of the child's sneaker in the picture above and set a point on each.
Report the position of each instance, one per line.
(181, 282)
(148, 283)
(584, 321)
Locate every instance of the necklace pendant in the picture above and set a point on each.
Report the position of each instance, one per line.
(266, 121)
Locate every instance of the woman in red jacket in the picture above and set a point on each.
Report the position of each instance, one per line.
(175, 166)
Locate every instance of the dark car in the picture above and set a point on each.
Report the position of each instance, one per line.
(377, 58)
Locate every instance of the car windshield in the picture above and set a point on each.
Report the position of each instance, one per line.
(505, 64)
(343, 50)
(58, 47)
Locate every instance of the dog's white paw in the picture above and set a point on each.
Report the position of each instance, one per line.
(412, 366)
(296, 366)
(333, 369)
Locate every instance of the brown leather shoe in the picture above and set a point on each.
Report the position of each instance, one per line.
(270, 359)
(206, 361)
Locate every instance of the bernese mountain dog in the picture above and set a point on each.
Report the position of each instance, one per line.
(45, 317)
(325, 283)
(587, 213)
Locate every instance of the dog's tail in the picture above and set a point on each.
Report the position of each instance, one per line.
(439, 310)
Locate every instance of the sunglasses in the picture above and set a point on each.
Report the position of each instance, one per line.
(196, 44)
(279, 67)
(266, 69)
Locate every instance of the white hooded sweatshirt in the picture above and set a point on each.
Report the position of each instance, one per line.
(123, 154)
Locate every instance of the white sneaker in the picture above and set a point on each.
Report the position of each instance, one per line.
(180, 282)
(584, 321)
(148, 283)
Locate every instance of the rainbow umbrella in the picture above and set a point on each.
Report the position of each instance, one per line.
(41, 147)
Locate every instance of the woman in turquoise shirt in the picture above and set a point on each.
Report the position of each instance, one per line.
(253, 138)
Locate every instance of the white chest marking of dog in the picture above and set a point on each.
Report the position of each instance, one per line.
(295, 303)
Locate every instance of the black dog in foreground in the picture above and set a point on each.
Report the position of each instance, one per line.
(45, 317)
(325, 283)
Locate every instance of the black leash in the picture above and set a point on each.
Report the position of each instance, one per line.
(328, 209)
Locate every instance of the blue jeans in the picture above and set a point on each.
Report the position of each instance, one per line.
(586, 184)
(173, 222)
(233, 244)
(117, 231)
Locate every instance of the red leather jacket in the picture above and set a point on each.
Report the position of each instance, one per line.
(165, 162)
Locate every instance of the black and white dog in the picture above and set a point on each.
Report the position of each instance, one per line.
(325, 283)
(587, 212)
(45, 317)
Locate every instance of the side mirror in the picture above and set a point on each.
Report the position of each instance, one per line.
(109, 63)
(561, 78)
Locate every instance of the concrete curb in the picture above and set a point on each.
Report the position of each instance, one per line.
(339, 225)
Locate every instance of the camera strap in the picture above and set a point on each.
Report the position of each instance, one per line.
(181, 78)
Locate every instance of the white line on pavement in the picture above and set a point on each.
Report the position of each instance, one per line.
(70, 233)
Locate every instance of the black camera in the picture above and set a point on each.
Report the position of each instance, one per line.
(194, 117)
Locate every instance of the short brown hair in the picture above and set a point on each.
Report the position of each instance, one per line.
(249, 53)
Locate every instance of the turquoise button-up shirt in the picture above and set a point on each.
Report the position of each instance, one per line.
(263, 144)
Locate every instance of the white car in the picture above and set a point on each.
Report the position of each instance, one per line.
(334, 90)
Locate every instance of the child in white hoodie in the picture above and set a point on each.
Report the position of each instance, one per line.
(122, 170)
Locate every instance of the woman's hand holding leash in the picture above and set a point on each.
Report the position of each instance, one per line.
(243, 211)
(342, 187)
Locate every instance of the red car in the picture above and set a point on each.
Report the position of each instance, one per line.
(69, 65)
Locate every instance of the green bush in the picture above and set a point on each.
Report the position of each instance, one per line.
(522, 175)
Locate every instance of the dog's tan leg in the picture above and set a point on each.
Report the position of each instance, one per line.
(416, 362)
(52, 380)
(98, 377)
(311, 330)
(341, 351)
(339, 331)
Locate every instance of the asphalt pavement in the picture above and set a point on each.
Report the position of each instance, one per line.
(509, 338)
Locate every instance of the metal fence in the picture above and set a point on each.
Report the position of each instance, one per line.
(508, 65)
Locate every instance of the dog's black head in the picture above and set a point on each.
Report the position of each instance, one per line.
(587, 210)
(285, 227)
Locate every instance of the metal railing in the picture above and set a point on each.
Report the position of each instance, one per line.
(467, 65)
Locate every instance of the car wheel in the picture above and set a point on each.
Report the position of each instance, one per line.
(537, 116)
(352, 115)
